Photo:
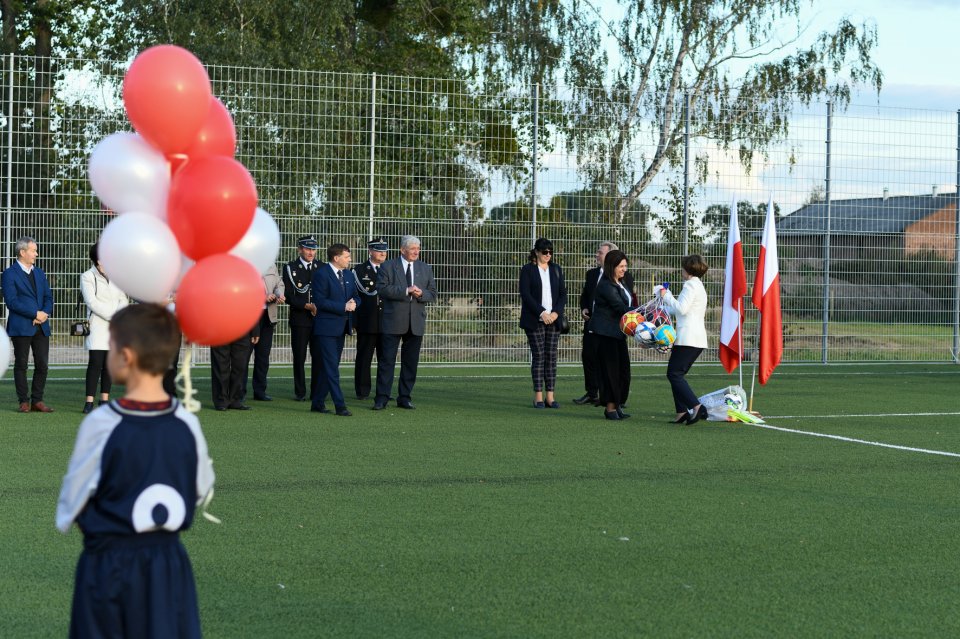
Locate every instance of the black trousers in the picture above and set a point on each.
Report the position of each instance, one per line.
(614, 369)
(39, 344)
(681, 359)
(300, 341)
(409, 360)
(591, 374)
(170, 377)
(97, 372)
(228, 366)
(261, 357)
(367, 345)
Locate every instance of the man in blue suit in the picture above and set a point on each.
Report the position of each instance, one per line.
(30, 302)
(335, 294)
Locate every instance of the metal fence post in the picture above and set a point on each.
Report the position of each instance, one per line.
(373, 138)
(7, 248)
(686, 173)
(956, 256)
(536, 133)
(826, 244)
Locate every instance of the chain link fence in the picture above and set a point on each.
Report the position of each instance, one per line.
(868, 234)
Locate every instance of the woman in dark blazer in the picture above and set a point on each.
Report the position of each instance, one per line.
(543, 295)
(610, 302)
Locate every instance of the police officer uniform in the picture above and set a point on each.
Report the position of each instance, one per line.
(366, 321)
(297, 277)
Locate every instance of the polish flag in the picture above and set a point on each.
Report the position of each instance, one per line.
(734, 289)
(766, 297)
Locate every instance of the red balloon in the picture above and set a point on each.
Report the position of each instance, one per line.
(211, 205)
(217, 135)
(167, 95)
(219, 300)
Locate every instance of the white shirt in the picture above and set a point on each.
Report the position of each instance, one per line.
(546, 295)
(26, 269)
(306, 265)
(689, 307)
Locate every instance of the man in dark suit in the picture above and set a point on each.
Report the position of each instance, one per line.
(406, 286)
(588, 353)
(228, 370)
(273, 289)
(297, 276)
(368, 317)
(30, 301)
(334, 291)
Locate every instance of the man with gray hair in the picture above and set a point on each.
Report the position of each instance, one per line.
(591, 375)
(30, 301)
(406, 286)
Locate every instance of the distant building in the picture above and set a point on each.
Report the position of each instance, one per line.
(874, 228)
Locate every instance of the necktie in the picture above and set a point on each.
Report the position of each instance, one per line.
(340, 277)
(409, 274)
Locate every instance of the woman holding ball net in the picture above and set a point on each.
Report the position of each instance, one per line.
(689, 308)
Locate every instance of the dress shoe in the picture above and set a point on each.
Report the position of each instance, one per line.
(539, 405)
(221, 408)
(699, 415)
(343, 412)
(87, 408)
(262, 398)
(40, 407)
(24, 407)
(585, 399)
(300, 398)
(622, 414)
(553, 404)
(681, 420)
(611, 414)
(238, 407)
(363, 398)
(379, 405)
(319, 409)
(597, 402)
(406, 404)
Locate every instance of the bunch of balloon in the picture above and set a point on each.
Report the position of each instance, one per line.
(187, 217)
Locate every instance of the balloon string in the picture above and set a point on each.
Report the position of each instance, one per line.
(185, 384)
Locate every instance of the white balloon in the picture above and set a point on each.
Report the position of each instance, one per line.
(4, 352)
(261, 244)
(128, 174)
(141, 255)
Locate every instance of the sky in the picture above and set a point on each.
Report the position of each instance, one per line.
(903, 141)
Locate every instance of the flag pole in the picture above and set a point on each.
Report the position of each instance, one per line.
(740, 337)
(753, 375)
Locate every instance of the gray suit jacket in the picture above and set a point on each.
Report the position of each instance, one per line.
(402, 312)
(272, 283)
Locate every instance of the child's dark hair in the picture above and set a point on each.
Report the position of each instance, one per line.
(694, 265)
(150, 331)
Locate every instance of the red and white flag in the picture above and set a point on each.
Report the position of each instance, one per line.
(766, 297)
(734, 289)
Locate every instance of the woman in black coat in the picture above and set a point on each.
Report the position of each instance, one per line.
(543, 295)
(610, 302)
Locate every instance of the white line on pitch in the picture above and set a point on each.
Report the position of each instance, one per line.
(858, 441)
(860, 415)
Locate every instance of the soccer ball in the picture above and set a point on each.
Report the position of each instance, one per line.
(733, 401)
(629, 322)
(665, 336)
(645, 334)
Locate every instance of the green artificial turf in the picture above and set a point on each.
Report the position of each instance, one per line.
(478, 516)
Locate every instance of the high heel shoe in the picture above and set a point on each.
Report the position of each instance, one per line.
(622, 414)
(611, 414)
(701, 414)
(681, 420)
(87, 407)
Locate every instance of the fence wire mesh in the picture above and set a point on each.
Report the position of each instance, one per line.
(866, 197)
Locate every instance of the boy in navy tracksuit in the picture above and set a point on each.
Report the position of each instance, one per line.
(139, 467)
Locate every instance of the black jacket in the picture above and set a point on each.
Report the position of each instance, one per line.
(296, 286)
(531, 291)
(609, 305)
(590, 286)
(369, 314)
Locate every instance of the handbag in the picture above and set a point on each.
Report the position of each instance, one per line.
(564, 325)
(79, 328)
